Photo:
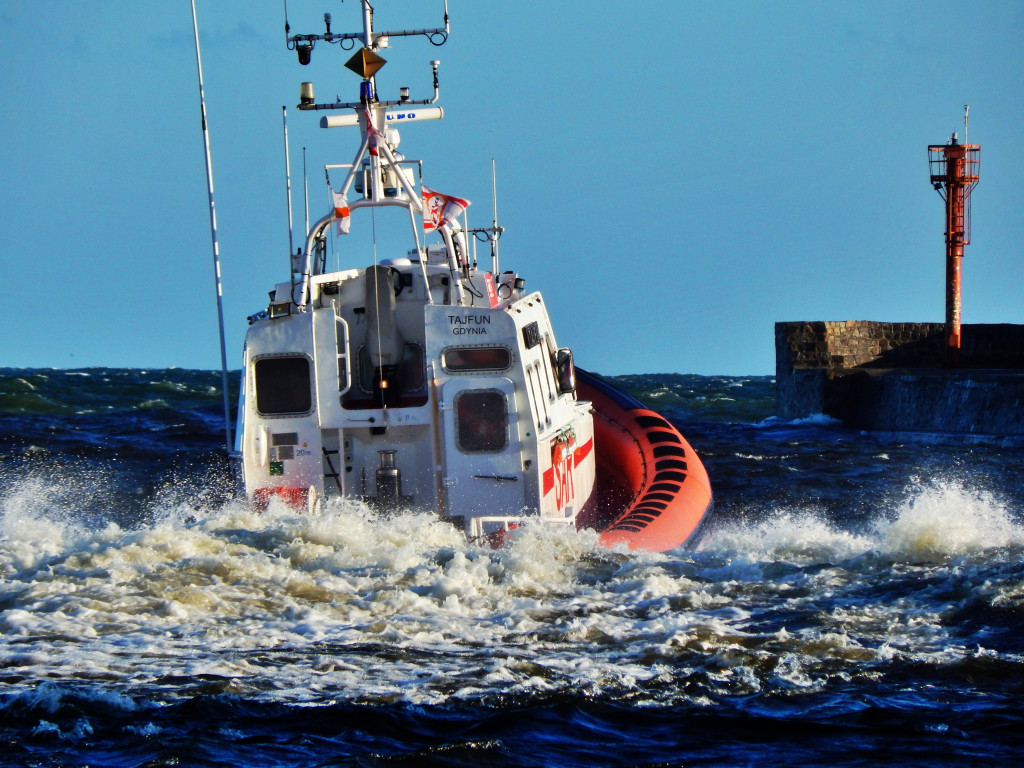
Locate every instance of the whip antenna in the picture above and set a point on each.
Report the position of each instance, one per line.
(287, 179)
(494, 221)
(213, 236)
(305, 187)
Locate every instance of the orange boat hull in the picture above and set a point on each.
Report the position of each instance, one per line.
(652, 490)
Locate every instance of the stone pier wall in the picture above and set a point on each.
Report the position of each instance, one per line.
(843, 344)
(878, 375)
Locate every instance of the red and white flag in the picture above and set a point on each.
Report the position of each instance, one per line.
(440, 210)
(342, 214)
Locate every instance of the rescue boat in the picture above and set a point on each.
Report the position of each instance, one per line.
(419, 378)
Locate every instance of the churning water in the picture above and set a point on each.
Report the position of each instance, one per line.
(856, 601)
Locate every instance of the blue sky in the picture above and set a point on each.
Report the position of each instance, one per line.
(675, 176)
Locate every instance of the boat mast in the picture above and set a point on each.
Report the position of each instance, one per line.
(370, 112)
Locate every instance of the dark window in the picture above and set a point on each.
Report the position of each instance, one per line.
(282, 385)
(465, 359)
(409, 373)
(481, 420)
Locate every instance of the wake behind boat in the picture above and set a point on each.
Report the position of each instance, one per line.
(424, 380)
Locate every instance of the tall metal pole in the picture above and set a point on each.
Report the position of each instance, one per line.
(213, 237)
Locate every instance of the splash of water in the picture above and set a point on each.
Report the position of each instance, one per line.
(945, 519)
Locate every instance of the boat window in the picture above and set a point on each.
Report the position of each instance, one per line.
(283, 385)
(466, 359)
(481, 419)
(409, 372)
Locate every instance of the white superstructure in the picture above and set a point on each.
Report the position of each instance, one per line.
(411, 379)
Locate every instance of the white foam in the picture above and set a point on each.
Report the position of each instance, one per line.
(349, 605)
(934, 520)
(797, 536)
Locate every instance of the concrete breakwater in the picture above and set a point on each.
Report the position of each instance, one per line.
(890, 376)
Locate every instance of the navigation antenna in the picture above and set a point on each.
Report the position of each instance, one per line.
(213, 237)
(492, 233)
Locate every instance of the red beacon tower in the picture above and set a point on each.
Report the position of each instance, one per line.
(954, 174)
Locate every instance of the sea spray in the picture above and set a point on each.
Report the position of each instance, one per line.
(941, 519)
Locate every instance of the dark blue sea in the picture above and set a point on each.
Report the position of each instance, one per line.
(857, 601)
